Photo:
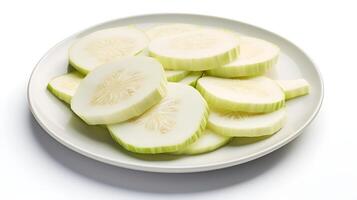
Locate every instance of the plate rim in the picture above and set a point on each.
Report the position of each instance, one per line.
(176, 169)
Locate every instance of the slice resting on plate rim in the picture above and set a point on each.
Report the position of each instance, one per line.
(294, 88)
(64, 86)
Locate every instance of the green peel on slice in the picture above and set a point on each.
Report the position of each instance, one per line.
(144, 52)
(239, 124)
(106, 45)
(64, 86)
(191, 78)
(167, 30)
(294, 88)
(177, 121)
(196, 50)
(207, 142)
(175, 75)
(120, 90)
(254, 95)
(256, 58)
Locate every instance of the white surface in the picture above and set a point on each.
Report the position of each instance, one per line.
(320, 164)
(96, 143)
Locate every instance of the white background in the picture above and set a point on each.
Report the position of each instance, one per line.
(321, 164)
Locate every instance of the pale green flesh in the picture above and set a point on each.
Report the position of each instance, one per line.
(254, 95)
(191, 78)
(195, 51)
(167, 30)
(238, 124)
(177, 121)
(256, 58)
(105, 46)
(71, 84)
(118, 91)
(64, 86)
(294, 88)
(207, 142)
(171, 75)
(175, 75)
(243, 103)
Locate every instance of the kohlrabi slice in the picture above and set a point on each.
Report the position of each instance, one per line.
(196, 50)
(177, 121)
(239, 124)
(294, 88)
(175, 75)
(207, 142)
(254, 95)
(191, 79)
(119, 90)
(256, 57)
(64, 86)
(166, 30)
(106, 45)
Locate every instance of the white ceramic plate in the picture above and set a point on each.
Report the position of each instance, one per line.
(57, 119)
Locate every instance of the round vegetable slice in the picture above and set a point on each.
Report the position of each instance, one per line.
(175, 75)
(255, 95)
(239, 124)
(191, 79)
(119, 90)
(207, 142)
(106, 45)
(177, 121)
(196, 50)
(64, 86)
(169, 30)
(294, 88)
(256, 57)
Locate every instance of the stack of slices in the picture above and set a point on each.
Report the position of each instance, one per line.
(176, 88)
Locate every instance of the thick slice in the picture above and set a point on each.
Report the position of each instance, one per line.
(256, 57)
(196, 50)
(169, 30)
(175, 75)
(294, 88)
(177, 121)
(209, 141)
(239, 124)
(191, 79)
(119, 90)
(64, 86)
(255, 95)
(106, 45)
